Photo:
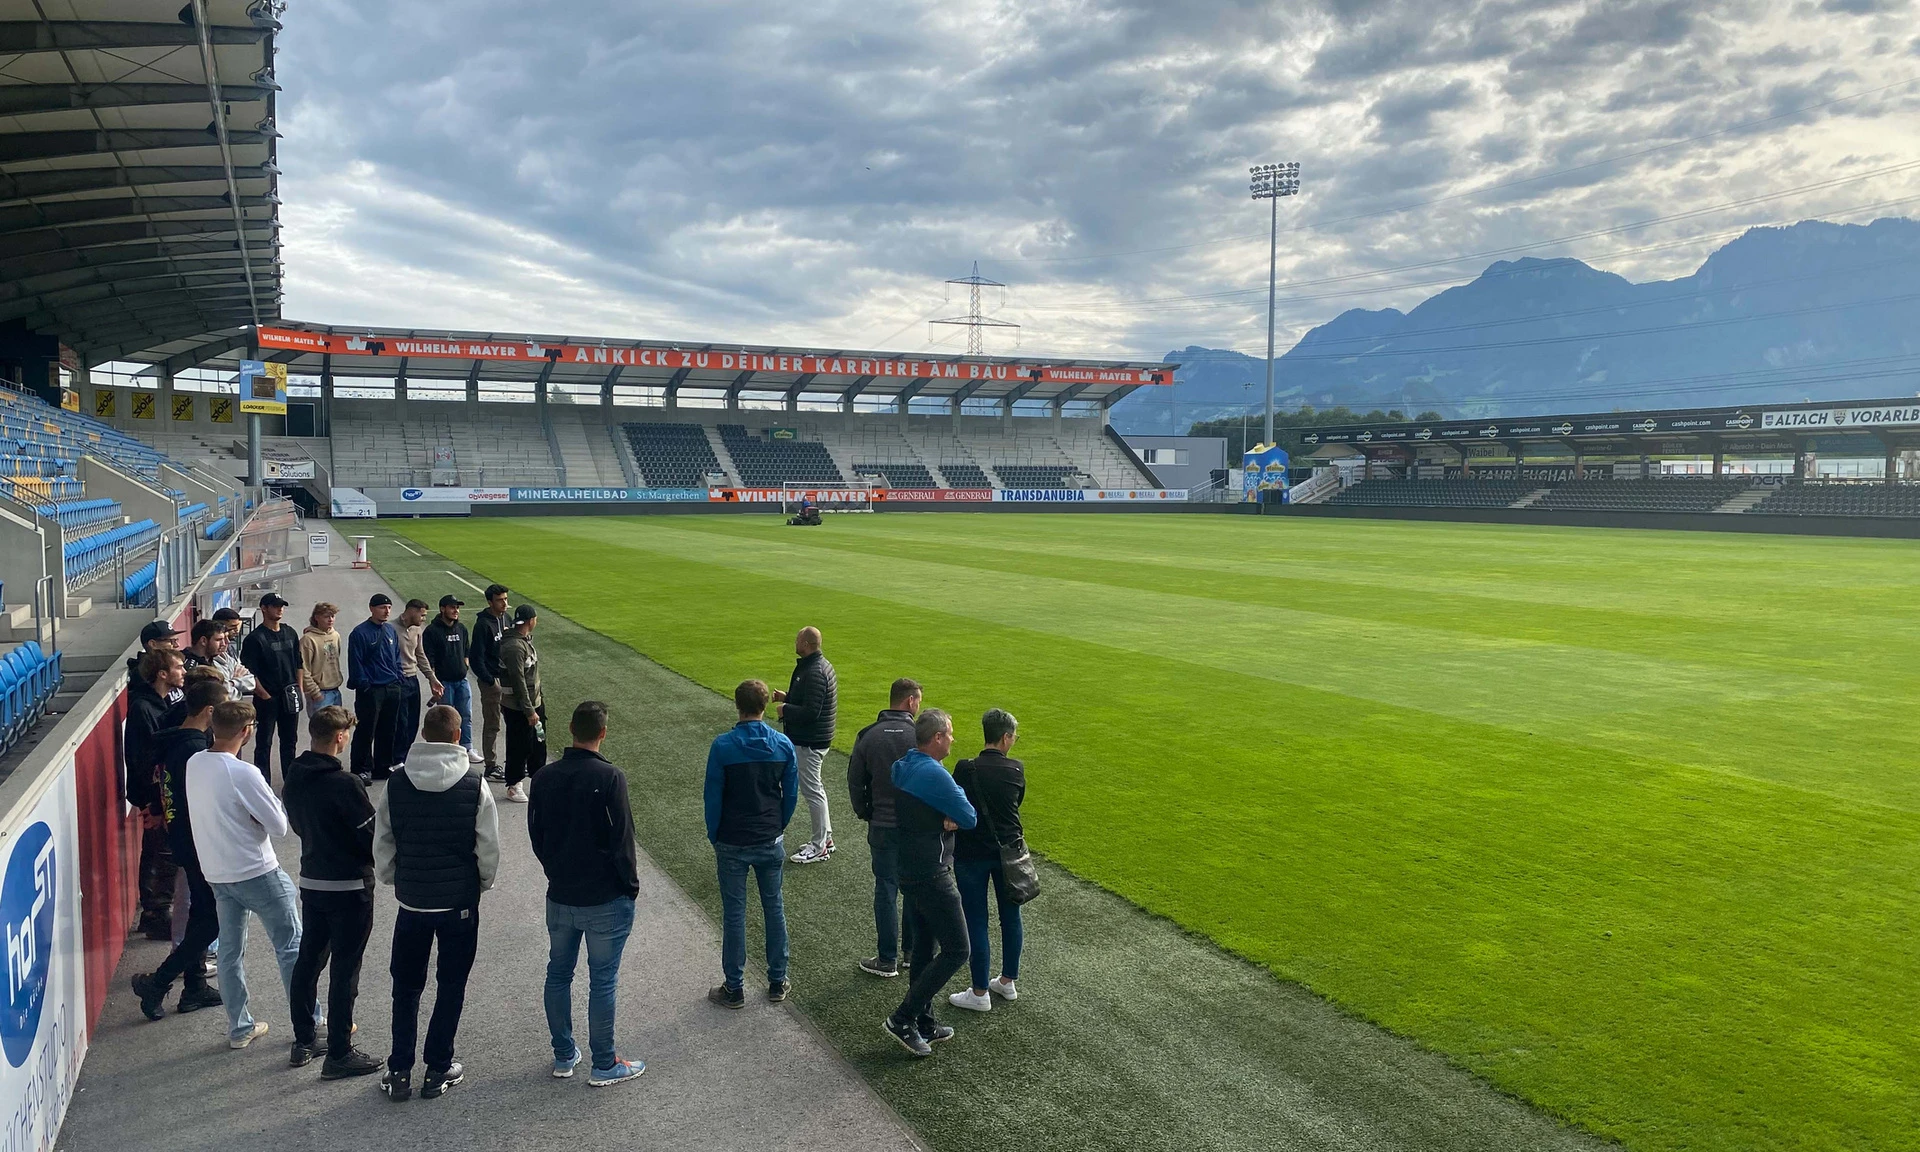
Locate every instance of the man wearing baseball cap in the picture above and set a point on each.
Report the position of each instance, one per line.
(373, 672)
(272, 653)
(444, 643)
(521, 704)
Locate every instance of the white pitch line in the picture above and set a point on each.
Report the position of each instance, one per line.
(468, 583)
(408, 549)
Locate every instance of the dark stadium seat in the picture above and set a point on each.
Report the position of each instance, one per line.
(899, 475)
(1435, 493)
(1842, 499)
(671, 455)
(965, 476)
(1037, 475)
(771, 463)
(1662, 494)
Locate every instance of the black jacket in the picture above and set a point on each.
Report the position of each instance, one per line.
(148, 713)
(995, 785)
(173, 747)
(329, 810)
(435, 865)
(813, 695)
(446, 650)
(483, 655)
(582, 830)
(273, 656)
(870, 767)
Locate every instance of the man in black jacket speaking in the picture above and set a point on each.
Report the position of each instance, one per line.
(807, 709)
(582, 832)
(874, 751)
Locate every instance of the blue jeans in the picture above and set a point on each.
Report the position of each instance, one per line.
(605, 927)
(459, 696)
(270, 897)
(733, 861)
(972, 877)
(330, 698)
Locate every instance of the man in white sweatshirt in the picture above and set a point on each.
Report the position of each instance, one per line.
(235, 818)
(436, 839)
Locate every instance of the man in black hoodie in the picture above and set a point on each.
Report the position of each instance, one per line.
(489, 628)
(582, 831)
(149, 712)
(328, 807)
(868, 779)
(188, 960)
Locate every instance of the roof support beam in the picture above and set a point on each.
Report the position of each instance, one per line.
(18, 99)
(672, 393)
(58, 213)
(87, 141)
(606, 386)
(115, 351)
(734, 389)
(41, 264)
(103, 235)
(72, 35)
(218, 103)
(72, 300)
(793, 393)
(852, 392)
(1015, 394)
(46, 287)
(1066, 395)
(960, 397)
(61, 181)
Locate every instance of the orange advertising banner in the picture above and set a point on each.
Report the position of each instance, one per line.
(674, 358)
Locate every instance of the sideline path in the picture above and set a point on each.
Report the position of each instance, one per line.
(761, 1078)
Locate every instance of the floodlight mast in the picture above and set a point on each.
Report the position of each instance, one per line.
(1269, 182)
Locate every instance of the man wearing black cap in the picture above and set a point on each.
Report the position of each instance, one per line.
(272, 653)
(373, 672)
(525, 711)
(489, 628)
(158, 634)
(444, 643)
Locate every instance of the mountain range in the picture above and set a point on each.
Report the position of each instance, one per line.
(1811, 311)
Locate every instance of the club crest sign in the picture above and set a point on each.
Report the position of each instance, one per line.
(27, 909)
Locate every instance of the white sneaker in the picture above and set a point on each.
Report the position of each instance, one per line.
(517, 793)
(966, 998)
(1002, 987)
(474, 757)
(810, 853)
(259, 1030)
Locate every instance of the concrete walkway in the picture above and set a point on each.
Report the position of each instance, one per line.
(755, 1079)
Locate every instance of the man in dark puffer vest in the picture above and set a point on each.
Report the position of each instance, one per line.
(437, 841)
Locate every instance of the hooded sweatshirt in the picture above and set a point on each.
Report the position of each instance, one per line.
(519, 664)
(320, 660)
(420, 843)
(328, 807)
(173, 748)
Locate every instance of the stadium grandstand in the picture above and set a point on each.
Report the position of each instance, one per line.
(1849, 459)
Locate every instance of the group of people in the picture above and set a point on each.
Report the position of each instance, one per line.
(938, 841)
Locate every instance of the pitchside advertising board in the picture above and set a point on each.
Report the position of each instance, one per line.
(42, 1031)
(1843, 419)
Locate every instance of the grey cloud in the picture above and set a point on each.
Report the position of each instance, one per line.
(1863, 7)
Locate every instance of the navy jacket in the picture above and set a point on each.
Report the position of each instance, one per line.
(753, 783)
(926, 796)
(373, 655)
(813, 696)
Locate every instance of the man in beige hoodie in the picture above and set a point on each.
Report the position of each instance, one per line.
(320, 675)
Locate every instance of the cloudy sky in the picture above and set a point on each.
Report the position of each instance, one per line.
(755, 172)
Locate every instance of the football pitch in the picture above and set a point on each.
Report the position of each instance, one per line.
(1625, 823)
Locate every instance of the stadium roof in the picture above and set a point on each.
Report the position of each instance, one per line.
(138, 196)
(1761, 426)
(439, 354)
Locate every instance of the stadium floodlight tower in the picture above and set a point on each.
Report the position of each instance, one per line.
(1270, 182)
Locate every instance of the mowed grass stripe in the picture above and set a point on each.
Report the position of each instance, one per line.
(1132, 1034)
(1457, 881)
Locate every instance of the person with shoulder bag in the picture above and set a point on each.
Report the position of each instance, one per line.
(993, 851)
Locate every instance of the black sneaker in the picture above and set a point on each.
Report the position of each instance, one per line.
(354, 1063)
(727, 997)
(198, 997)
(908, 1036)
(304, 1053)
(397, 1085)
(885, 969)
(157, 929)
(435, 1084)
(153, 1001)
(499, 774)
(932, 1031)
(366, 780)
(778, 990)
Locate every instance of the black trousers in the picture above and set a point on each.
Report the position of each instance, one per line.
(525, 755)
(271, 720)
(413, 936)
(156, 882)
(376, 711)
(189, 957)
(333, 926)
(407, 723)
(933, 917)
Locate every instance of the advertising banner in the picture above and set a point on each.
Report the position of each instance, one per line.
(183, 408)
(675, 358)
(603, 495)
(263, 388)
(103, 403)
(142, 406)
(43, 1030)
(1837, 419)
(935, 495)
(352, 504)
(220, 409)
(1263, 468)
(1087, 495)
(455, 495)
(826, 496)
(288, 469)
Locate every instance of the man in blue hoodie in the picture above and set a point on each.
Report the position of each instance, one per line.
(927, 808)
(753, 783)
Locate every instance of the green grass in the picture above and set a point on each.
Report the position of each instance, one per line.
(1626, 823)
